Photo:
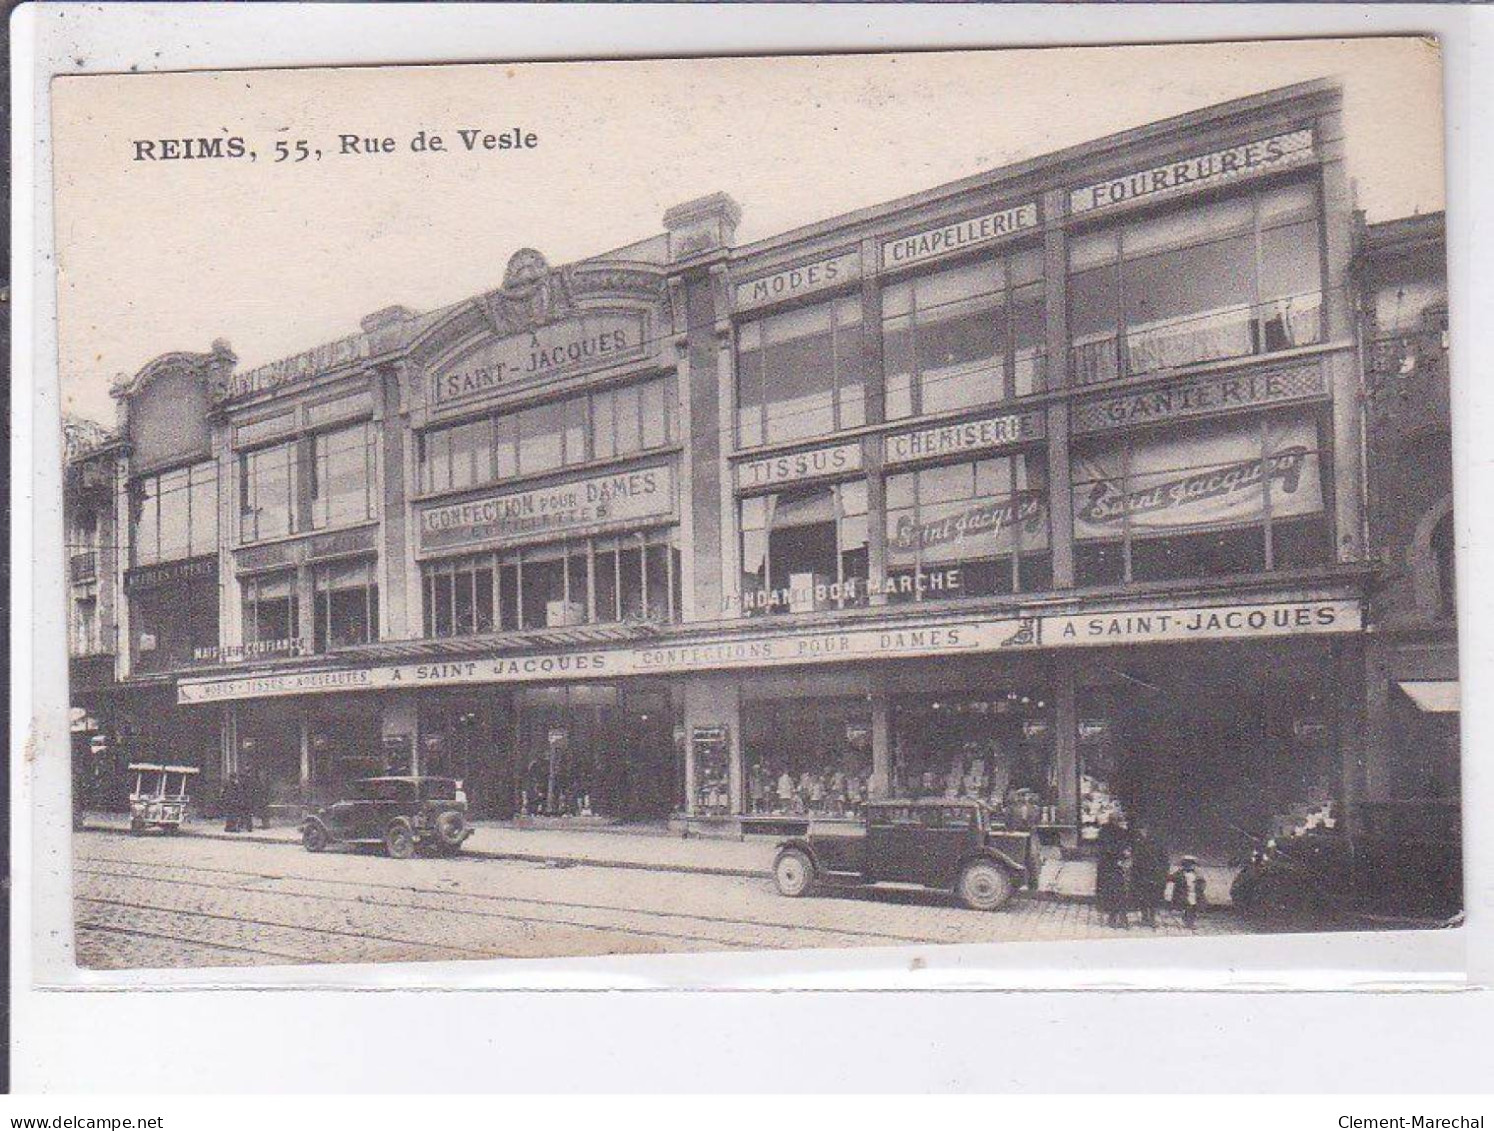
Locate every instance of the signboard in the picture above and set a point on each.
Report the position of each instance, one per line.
(939, 533)
(588, 342)
(623, 499)
(935, 242)
(967, 436)
(258, 650)
(1215, 479)
(798, 466)
(803, 279)
(1197, 397)
(741, 652)
(1235, 163)
(172, 573)
(321, 359)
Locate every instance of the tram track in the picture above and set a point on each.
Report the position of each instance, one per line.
(252, 883)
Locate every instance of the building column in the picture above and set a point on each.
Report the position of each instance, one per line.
(1060, 488)
(1066, 745)
(303, 722)
(880, 786)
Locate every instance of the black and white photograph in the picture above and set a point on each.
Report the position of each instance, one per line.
(604, 509)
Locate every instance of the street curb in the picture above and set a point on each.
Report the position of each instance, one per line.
(484, 854)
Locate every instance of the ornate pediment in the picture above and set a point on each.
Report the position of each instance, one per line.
(533, 294)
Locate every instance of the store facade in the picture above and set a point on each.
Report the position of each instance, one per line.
(1043, 487)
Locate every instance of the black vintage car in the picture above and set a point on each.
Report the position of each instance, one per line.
(401, 813)
(947, 844)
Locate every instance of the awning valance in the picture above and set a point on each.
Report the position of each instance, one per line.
(1436, 695)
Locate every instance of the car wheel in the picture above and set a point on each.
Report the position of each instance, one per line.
(793, 872)
(449, 829)
(399, 841)
(985, 886)
(314, 837)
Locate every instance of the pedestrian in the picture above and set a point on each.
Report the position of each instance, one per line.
(1149, 864)
(1187, 886)
(233, 803)
(1112, 868)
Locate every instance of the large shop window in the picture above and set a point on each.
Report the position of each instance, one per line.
(267, 492)
(995, 746)
(627, 578)
(1226, 279)
(1222, 498)
(271, 612)
(170, 626)
(343, 478)
(968, 529)
(805, 549)
(347, 605)
(967, 336)
(800, 374)
(175, 514)
(606, 425)
(807, 756)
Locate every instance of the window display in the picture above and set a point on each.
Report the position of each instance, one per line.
(993, 748)
(807, 757)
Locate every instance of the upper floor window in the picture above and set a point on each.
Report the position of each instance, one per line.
(800, 374)
(343, 478)
(968, 529)
(605, 425)
(1227, 279)
(271, 609)
(805, 549)
(964, 336)
(346, 596)
(267, 492)
(1235, 496)
(175, 514)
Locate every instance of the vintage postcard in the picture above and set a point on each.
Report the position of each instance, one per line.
(617, 508)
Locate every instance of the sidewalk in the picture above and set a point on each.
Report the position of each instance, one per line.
(603, 848)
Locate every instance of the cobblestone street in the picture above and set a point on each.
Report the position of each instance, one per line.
(160, 901)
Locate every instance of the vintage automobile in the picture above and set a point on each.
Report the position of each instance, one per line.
(159, 798)
(949, 844)
(401, 813)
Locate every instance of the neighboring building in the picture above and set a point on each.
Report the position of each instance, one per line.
(1046, 485)
(1411, 778)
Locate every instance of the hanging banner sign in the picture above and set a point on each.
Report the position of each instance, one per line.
(1197, 397)
(748, 651)
(804, 279)
(934, 242)
(966, 436)
(800, 465)
(1220, 478)
(1235, 163)
(978, 528)
(588, 342)
(623, 499)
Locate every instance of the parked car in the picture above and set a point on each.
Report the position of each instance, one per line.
(948, 844)
(401, 813)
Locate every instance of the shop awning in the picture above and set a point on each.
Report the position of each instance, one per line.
(1436, 695)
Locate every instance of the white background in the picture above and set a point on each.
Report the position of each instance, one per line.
(237, 1040)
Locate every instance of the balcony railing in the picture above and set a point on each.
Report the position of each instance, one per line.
(1216, 335)
(84, 566)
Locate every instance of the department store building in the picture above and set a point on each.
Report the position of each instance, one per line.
(1045, 486)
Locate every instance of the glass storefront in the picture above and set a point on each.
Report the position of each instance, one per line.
(996, 747)
(346, 744)
(807, 756)
(470, 737)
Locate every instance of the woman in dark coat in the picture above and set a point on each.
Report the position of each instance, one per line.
(1112, 865)
(1149, 868)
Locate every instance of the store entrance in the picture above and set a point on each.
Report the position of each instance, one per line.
(1212, 747)
(597, 752)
